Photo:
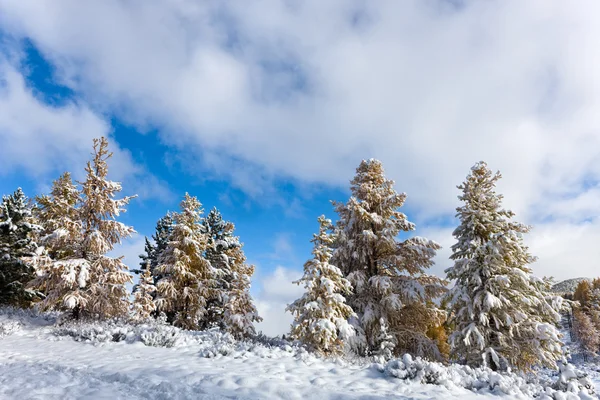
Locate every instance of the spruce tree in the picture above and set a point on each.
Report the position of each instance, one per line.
(220, 239)
(502, 315)
(232, 308)
(240, 313)
(188, 278)
(392, 294)
(321, 314)
(163, 229)
(17, 229)
(77, 274)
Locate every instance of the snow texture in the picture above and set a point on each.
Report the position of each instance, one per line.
(113, 360)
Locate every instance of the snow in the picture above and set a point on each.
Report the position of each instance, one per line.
(39, 360)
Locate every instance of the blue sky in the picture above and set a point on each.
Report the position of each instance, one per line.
(265, 108)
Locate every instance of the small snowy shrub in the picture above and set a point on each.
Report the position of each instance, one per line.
(573, 381)
(96, 332)
(160, 336)
(9, 327)
(214, 343)
(571, 384)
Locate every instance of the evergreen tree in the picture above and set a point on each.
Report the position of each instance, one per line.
(143, 302)
(220, 240)
(59, 218)
(502, 315)
(17, 228)
(77, 275)
(392, 294)
(61, 271)
(240, 313)
(164, 226)
(189, 279)
(232, 308)
(321, 314)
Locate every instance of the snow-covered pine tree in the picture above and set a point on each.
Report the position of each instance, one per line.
(321, 315)
(233, 308)
(240, 313)
(59, 217)
(189, 279)
(107, 294)
(502, 315)
(143, 301)
(77, 274)
(392, 294)
(163, 229)
(17, 229)
(60, 269)
(219, 239)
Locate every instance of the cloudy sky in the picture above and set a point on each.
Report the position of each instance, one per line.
(264, 108)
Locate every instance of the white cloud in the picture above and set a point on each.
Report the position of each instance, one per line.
(566, 250)
(39, 138)
(44, 140)
(277, 291)
(306, 89)
(443, 236)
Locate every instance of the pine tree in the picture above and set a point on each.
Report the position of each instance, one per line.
(392, 294)
(17, 228)
(164, 226)
(59, 217)
(321, 314)
(60, 269)
(143, 302)
(233, 308)
(77, 275)
(189, 279)
(239, 311)
(502, 315)
(220, 240)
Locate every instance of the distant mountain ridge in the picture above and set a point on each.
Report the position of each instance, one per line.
(568, 286)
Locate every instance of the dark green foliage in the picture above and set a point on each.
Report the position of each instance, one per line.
(220, 240)
(16, 244)
(164, 226)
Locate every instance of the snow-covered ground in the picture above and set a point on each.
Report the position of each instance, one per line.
(39, 361)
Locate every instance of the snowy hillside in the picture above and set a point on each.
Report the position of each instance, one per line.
(567, 286)
(119, 361)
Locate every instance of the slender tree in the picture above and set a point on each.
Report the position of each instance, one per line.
(220, 240)
(502, 315)
(240, 313)
(321, 314)
(392, 295)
